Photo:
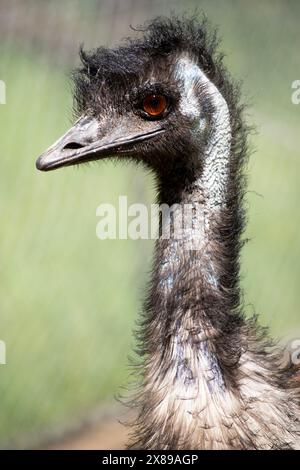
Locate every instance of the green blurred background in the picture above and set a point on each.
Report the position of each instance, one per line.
(68, 301)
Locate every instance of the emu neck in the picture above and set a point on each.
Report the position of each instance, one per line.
(190, 334)
(195, 271)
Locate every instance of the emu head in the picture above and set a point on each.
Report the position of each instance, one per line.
(152, 99)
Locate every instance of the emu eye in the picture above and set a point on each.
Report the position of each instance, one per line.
(154, 105)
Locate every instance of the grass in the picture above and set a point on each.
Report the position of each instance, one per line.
(68, 301)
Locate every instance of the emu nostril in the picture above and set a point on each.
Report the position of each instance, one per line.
(72, 145)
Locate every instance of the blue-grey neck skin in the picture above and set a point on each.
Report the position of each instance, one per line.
(193, 251)
(186, 274)
(214, 179)
(210, 189)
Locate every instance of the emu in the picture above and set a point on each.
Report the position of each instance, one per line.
(210, 377)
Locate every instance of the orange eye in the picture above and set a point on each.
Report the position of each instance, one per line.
(155, 105)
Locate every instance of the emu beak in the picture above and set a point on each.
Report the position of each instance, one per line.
(83, 143)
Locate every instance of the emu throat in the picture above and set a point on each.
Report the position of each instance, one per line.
(185, 378)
